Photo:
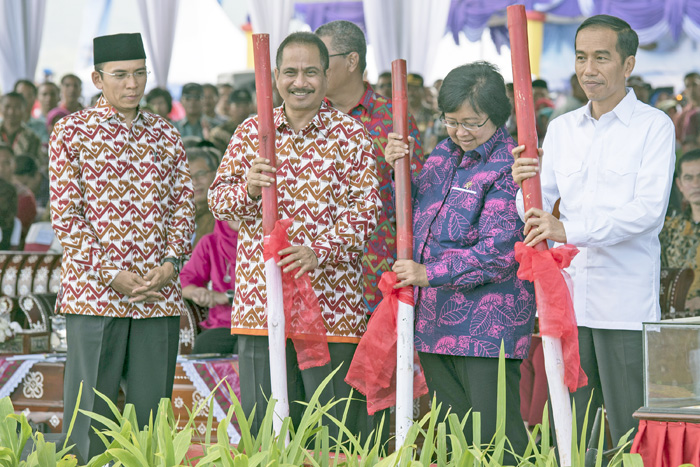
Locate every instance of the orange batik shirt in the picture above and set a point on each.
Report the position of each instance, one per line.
(326, 183)
(121, 200)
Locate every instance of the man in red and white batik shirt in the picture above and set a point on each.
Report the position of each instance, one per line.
(326, 183)
(122, 208)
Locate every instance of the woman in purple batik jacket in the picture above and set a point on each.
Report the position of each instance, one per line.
(465, 225)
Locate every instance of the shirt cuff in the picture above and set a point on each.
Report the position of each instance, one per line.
(575, 233)
(322, 253)
(438, 274)
(520, 205)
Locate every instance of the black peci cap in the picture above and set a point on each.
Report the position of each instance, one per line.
(118, 47)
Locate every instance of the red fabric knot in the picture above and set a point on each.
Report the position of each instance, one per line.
(373, 368)
(554, 305)
(302, 313)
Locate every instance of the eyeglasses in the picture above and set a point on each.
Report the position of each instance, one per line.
(336, 55)
(468, 127)
(122, 75)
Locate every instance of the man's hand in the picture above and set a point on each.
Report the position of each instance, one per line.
(396, 148)
(129, 284)
(541, 225)
(256, 177)
(410, 273)
(298, 257)
(208, 298)
(524, 167)
(155, 279)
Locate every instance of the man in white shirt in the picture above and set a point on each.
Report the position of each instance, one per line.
(611, 163)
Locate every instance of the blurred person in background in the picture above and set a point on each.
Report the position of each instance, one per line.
(210, 98)
(239, 108)
(71, 93)
(160, 102)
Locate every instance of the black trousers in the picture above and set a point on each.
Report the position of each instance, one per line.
(613, 362)
(104, 351)
(215, 340)
(464, 383)
(254, 367)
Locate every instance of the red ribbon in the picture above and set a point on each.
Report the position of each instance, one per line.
(554, 305)
(302, 313)
(373, 368)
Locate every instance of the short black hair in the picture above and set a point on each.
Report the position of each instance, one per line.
(207, 154)
(481, 85)
(14, 95)
(692, 75)
(384, 74)
(26, 82)
(690, 156)
(305, 38)
(25, 165)
(155, 93)
(346, 37)
(212, 87)
(627, 39)
(72, 76)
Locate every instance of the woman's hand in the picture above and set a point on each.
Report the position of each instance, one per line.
(410, 273)
(396, 148)
(524, 167)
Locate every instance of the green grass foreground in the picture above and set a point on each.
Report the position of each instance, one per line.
(161, 444)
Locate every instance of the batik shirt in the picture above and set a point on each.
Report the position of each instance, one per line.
(121, 200)
(375, 113)
(465, 228)
(680, 246)
(326, 183)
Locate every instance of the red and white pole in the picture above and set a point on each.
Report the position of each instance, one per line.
(273, 274)
(404, 245)
(532, 196)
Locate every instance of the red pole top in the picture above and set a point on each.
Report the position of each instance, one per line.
(266, 126)
(524, 104)
(402, 169)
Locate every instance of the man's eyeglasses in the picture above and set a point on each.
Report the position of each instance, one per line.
(466, 126)
(337, 55)
(122, 75)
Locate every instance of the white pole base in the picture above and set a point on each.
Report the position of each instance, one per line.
(277, 342)
(559, 395)
(404, 373)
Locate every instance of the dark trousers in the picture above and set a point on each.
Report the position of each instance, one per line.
(464, 383)
(612, 360)
(102, 352)
(215, 340)
(254, 367)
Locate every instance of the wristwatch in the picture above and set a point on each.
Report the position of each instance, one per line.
(176, 262)
(230, 294)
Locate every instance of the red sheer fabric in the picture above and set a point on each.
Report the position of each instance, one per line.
(668, 444)
(302, 313)
(554, 305)
(373, 368)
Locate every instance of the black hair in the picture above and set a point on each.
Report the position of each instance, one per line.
(72, 76)
(690, 156)
(212, 87)
(155, 93)
(540, 83)
(481, 85)
(26, 82)
(208, 155)
(346, 37)
(14, 95)
(305, 38)
(627, 39)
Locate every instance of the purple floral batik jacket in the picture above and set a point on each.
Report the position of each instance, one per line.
(465, 228)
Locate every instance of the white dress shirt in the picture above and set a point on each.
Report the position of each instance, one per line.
(614, 177)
